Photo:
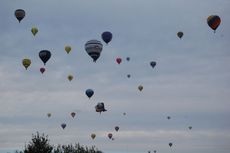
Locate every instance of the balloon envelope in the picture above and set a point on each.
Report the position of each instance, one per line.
(170, 144)
(44, 55)
(42, 70)
(118, 60)
(89, 92)
(63, 125)
(213, 21)
(140, 87)
(73, 114)
(26, 62)
(180, 34)
(153, 64)
(49, 114)
(34, 30)
(106, 36)
(110, 135)
(70, 77)
(67, 49)
(93, 136)
(116, 128)
(19, 14)
(94, 48)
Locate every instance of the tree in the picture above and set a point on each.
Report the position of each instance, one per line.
(77, 148)
(38, 144)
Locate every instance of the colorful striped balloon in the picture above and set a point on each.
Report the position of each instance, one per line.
(213, 21)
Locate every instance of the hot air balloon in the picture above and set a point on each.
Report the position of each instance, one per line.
(110, 135)
(107, 36)
(149, 151)
(127, 58)
(67, 49)
(170, 144)
(190, 127)
(180, 34)
(19, 14)
(63, 125)
(89, 92)
(100, 107)
(118, 60)
(153, 64)
(93, 48)
(44, 56)
(140, 87)
(73, 114)
(213, 22)
(26, 62)
(49, 114)
(113, 139)
(34, 30)
(116, 128)
(93, 136)
(70, 77)
(128, 75)
(42, 70)
(168, 117)
(124, 113)
(154, 151)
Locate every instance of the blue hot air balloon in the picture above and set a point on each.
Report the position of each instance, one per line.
(89, 92)
(107, 36)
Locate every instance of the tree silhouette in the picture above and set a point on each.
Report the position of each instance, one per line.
(38, 144)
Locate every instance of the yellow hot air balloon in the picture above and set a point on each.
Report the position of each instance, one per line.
(67, 49)
(34, 30)
(26, 62)
(70, 77)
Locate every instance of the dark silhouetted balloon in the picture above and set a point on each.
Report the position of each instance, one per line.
(190, 127)
(44, 56)
(93, 136)
(170, 144)
(213, 22)
(153, 64)
(63, 125)
(128, 75)
(110, 135)
(116, 128)
(19, 14)
(73, 114)
(128, 58)
(42, 70)
(180, 34)
(140, 87)
(89, 93)
(118, 60)
(106, 36)
(168, 117)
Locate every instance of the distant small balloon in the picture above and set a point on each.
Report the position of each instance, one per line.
(49, 114)
(34, 30)
(63, 125)
(67, 49)
(170, 144)
(107, 36)
(42, 70)
(116, 128)
(26, 62)
(153, 64)
(180, 34)
(140, 87)
(89, 93)
(44, 55)
(168, 117)
(93, 136)
(70, 77)
(119, 60)
(19, 14)
(110, 135)
(73, 114)
(127, 58)
(190, 127)
(128, 75)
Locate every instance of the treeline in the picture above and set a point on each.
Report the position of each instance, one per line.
(40, 144)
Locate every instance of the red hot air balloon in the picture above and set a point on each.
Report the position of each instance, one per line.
(119, 60)
(213, 22)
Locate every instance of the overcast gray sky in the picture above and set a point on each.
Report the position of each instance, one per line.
(190, 83)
